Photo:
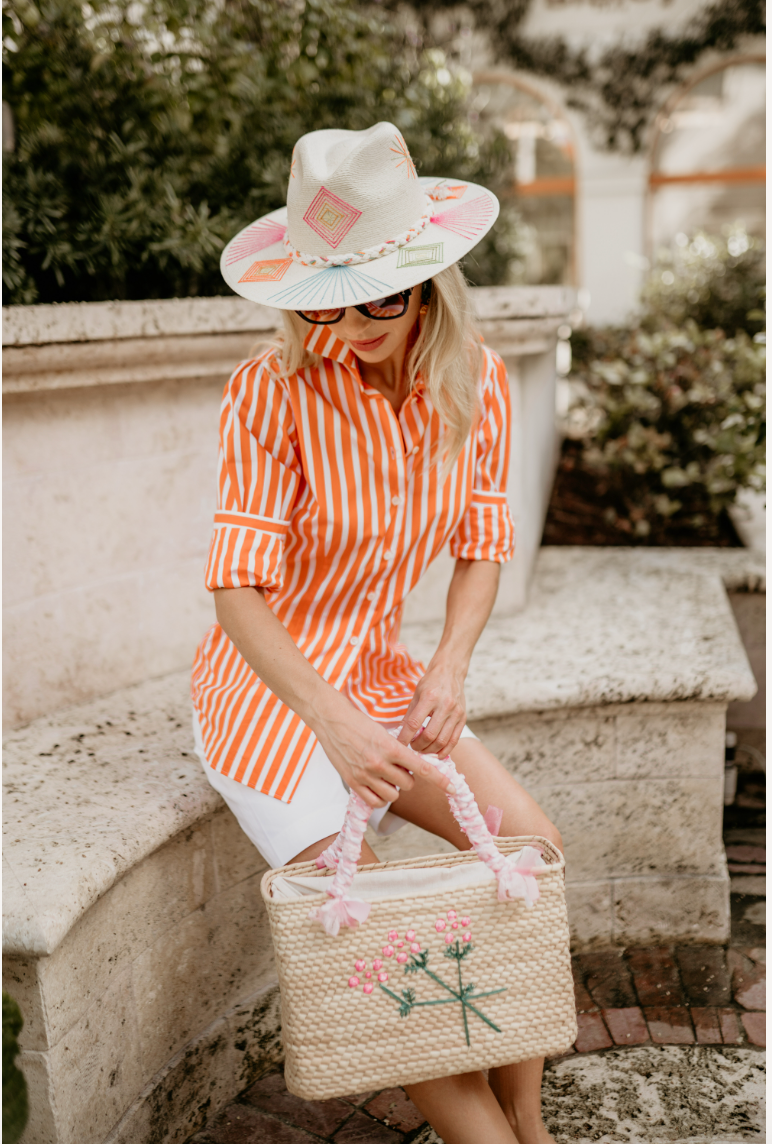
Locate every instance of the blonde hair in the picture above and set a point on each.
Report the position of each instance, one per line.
(447, 353)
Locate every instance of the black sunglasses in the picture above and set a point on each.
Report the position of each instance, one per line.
(381, 310)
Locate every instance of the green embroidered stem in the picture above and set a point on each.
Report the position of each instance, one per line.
(418, 1004)
(465, 995)
(461, 994)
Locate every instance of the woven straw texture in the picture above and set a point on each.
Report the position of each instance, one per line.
(339, 1040)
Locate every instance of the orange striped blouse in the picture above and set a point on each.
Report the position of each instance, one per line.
(333, 505)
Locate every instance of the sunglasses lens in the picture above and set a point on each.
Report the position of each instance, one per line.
(321, 316)
(390, 307)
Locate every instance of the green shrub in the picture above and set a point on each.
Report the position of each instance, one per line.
(668, 414)
(671, 419)
(147, 132)
(15, 1110)
(716, 281)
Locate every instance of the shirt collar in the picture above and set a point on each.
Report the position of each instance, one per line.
(323, 341)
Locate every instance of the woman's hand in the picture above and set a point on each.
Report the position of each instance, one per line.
(439, 697)
(370, 760)
(440, 694)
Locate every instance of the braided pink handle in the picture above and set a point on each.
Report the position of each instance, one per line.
(514, 873)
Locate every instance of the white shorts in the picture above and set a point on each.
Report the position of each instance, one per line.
(280, 830)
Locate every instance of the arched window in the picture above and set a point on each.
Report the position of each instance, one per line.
(542, 187)
(707, 168)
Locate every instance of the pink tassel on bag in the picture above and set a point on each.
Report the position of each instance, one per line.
(339, 912)
(514, 873)
(343, 854)
(492, 819)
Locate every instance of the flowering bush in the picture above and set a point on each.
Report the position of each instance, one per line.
(672, 420)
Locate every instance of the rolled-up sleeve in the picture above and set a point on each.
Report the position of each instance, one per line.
(486, 531)
(258, 477)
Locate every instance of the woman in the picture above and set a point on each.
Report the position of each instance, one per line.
(372, 434)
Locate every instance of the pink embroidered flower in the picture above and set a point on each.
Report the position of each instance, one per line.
(440, 925)
(359, 966)
(467, 936)
(465, 922)
(383, 977)
(401, 958)
(353, 982)
(449, 939)
(410, 935)
(415, 947)
(368, 974)
(454, 925)
(400, 944)
(367, 988)
(451, 915)
(388, 951)
(392, 935)
(377, 964)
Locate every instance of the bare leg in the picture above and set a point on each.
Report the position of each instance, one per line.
(462, 1110)
(517, 1088)
(316, 848)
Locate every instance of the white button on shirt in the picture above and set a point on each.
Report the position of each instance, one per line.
(396, 500)
(354, 641)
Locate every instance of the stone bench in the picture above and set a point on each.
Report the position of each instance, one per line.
(134, 937)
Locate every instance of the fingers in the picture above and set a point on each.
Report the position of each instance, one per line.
(420, 708)
(446, 716)
(435, 738)
(427, 770)
(377, 794)
(388, 767)
(444, 740)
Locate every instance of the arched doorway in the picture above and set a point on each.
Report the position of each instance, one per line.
(542, 188)
(707, 162)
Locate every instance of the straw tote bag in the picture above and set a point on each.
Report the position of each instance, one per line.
(410, 970)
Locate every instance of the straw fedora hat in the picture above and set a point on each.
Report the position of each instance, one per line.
(359, 224)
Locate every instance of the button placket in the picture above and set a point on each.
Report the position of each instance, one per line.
(392, 520)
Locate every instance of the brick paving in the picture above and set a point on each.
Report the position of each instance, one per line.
(683, 995)
(665, 995)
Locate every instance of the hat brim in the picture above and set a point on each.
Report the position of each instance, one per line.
(256, 266)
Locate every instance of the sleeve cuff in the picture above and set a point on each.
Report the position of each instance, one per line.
(246, 551)
(486, 532)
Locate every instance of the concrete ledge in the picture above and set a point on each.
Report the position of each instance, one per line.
(608, 625)
(135, 938)
(134, 934)
(177, 317)
(89, 794)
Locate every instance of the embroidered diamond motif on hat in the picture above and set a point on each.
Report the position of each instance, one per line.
(330, 216)
(268, 270)
(420, 255)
